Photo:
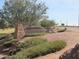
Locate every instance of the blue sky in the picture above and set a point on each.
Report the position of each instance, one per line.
(1, 3)
(62, 11)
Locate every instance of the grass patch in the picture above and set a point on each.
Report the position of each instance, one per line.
(32, 42)
(2, 35)
(42, 49)
(7, 31)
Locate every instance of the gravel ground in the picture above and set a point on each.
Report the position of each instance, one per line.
(71, 37)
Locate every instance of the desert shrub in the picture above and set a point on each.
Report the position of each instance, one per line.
(42, 49)
(7, 40)
(12, 48)
(58, 45)
(32, 42)
(2, 36)
(9, 43)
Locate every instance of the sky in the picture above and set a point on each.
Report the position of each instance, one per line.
(62, 11)
(1, 3)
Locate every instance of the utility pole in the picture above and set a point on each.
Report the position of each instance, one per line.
(66, 22)
(78, 21)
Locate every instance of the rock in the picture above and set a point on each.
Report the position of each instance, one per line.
(3, 56)
(72, 53)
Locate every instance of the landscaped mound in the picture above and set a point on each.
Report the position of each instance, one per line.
(38, 47)
(32, 42)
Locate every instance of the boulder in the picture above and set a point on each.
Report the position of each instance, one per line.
(72, 53)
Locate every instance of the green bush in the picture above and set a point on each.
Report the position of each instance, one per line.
(42, 49)
(58, 45)
(5, 38)
(2, 35)
(9, 43)
(32, 42)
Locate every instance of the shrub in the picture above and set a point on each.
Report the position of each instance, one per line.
(9, 43)
(42, 49)
(32, 42)
(58, 45)
(6, 38)
(2, 36)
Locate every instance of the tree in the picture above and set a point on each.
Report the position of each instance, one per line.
(20, 12)
(3, 23)
(26, 11)
(62, 24)
(47, 24)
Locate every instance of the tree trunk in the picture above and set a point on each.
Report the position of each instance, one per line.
(19, 31)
